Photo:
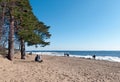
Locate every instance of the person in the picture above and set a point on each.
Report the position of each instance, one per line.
(66, 54)
(38, 59)
(94, 56)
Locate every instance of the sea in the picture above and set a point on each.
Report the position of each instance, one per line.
(113, 56)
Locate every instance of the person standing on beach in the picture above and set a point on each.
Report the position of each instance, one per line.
(94, 56)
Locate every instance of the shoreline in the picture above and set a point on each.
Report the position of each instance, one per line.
(106, 58)
(112, 56)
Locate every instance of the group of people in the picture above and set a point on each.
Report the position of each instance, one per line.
(66, 54)
(38, 58)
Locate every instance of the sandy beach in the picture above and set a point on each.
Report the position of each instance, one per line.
(58, 69)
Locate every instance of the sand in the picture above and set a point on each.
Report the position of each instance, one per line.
(58, 69)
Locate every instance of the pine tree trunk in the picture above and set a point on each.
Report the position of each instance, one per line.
(22, 49)
(11, 39)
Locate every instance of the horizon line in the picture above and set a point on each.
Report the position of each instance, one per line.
(72, 50)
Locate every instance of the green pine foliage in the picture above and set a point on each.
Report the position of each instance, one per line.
(27, 26)
(30, 29)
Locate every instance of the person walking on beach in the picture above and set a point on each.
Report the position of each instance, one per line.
(94, 56)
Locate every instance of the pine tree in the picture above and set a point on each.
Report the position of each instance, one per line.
(7, 8)
(30, 30)
(27, 27)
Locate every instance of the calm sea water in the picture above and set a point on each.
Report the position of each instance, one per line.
(97, 53)
(100, 55)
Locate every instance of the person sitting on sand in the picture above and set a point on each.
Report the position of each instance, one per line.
(37, 58)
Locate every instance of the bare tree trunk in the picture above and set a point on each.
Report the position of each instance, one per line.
(11, 39)
(22, 49)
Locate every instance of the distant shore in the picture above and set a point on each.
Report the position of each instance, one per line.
(58, 69)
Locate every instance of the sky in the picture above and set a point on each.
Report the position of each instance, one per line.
(80, 24)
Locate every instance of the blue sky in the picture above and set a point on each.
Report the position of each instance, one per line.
(80, 24)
